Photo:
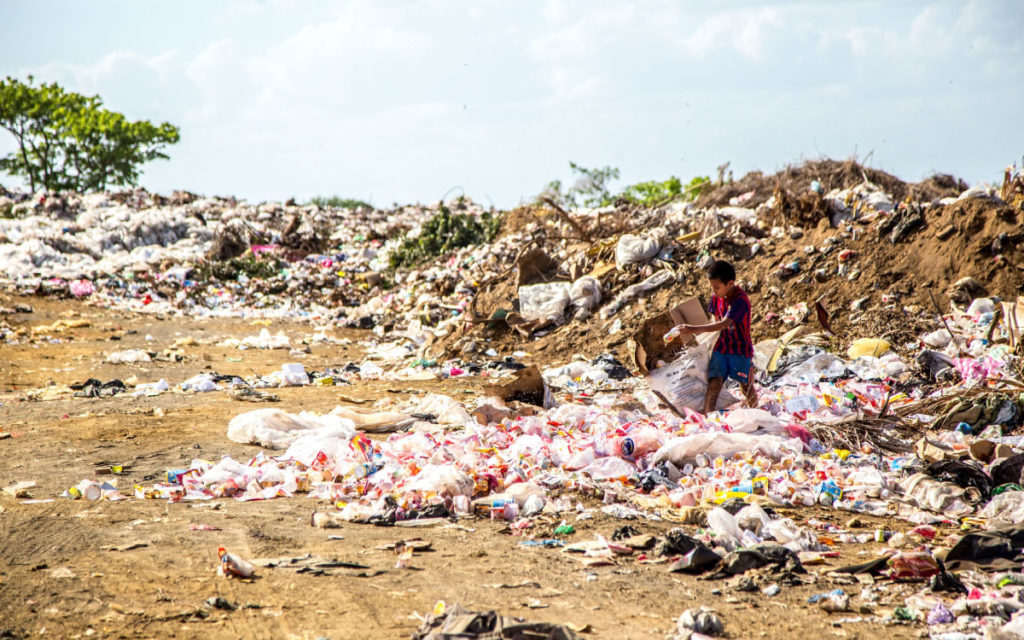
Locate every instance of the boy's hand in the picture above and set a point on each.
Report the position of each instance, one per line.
(675, 332)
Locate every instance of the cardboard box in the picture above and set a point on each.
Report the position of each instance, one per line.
(647, 345)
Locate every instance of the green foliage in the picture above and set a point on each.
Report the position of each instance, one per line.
(589, 189)
(653, 192)
(247, 264)
(338, 202)
(69, 141)
(444, 232)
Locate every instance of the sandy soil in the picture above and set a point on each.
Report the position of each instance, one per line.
(137, 569)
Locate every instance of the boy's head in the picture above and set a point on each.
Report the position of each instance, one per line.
(722, 278)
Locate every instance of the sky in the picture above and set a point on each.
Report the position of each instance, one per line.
(390, 101)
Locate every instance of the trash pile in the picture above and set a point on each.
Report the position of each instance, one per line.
(889, 405)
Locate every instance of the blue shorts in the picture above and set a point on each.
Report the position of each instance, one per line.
(730, 365)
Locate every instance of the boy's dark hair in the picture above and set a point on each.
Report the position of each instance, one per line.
(722, 271)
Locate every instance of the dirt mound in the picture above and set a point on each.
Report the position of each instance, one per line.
(879, 289)
(795, 180)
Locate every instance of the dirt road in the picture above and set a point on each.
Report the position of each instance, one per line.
(142, 569)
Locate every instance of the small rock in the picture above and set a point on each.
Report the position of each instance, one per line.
(854, 523)
(703, 620)
(744, 583)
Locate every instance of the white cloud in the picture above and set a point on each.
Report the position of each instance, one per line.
(405, 99)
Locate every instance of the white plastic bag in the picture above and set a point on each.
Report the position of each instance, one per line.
(753, 421)
(659, 279)
(636, 248)
(544, 302)
(445, 410)
(442, 479)
(684, 381)
(585, 293)
(684, 450)
(275, 429)
(294, 374)
(608, 468)
(1006, 508)
(129, 356)
(724, 525)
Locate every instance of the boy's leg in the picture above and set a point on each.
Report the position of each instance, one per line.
(718, 370)
(711, 398)
(750, 393)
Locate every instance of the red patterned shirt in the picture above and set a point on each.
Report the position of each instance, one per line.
(735, 340)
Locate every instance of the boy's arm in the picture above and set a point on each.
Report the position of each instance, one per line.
(711, 327)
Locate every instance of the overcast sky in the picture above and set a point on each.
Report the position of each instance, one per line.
(402, 101)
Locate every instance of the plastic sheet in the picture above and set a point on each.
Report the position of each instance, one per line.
(544, 302)
(684, 450)
(275, 429)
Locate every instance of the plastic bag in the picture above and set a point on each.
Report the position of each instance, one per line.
(867, 347)
(266, 341)
(684, 381)
(442, 480)
(294, 374)
(585, 293)
(636, 248)
(940, 497)
(609, 468)
(1006, 508)
(544, 302)
(724, 525)
(445, 410)
(753, 420)
(129, 356)
(659, 279)
(684, 450)
(753, 518)
(275, 429)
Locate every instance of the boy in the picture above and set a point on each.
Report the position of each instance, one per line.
(734, 351)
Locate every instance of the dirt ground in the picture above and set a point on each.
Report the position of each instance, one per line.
(137, 569)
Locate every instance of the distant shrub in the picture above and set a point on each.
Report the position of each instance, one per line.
(444, 232)
(338, 202)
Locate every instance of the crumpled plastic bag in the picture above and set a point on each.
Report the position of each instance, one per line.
(1005, 509)
(129, 356)
(446, 411)
(266, 341)
(684, 449)
(442, 479)
(544, 302)
(585, 293)
(637, 248)
(275, 429)
(754, 421)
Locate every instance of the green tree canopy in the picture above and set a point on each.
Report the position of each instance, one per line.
(69, 141)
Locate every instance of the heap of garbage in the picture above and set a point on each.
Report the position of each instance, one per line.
(890, 377)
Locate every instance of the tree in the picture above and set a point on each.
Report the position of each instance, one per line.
(590, 189)
(69, 141)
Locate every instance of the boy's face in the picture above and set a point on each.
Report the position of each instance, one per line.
(719, 288)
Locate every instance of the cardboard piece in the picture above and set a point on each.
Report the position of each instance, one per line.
(535, 266)
(528, 386)
(647, 344)
(1013, 319)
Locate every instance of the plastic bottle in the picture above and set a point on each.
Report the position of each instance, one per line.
(232, 565)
